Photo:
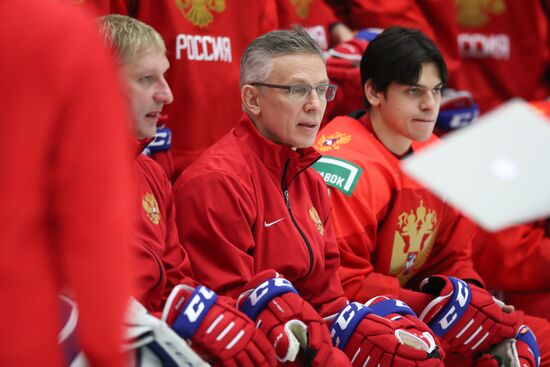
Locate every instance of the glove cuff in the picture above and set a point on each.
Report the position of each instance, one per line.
(446, 310)
(526, 336)
(383, 306)
(346, 322)
(252, 302)
(189, 316)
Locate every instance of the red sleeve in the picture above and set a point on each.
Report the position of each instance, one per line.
(176, 261)
(215, 214)
(514, 259)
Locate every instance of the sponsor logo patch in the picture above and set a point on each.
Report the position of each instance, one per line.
(339, 173)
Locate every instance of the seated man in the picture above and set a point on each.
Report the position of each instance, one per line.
(217, 330)
(251, 211)
(395, 236)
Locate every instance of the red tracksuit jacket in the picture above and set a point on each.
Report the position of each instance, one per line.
(248, 204)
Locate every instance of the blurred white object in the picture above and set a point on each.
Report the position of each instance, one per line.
(497, 171)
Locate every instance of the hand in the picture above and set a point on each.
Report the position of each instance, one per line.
(295, 329)
(385, 332)
(522, 351)
(466, 317)
(217, 330)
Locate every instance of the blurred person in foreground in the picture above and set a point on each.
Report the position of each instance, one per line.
(64, 187)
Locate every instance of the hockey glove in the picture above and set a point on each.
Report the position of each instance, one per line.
(292, 325)
(522, 351)
(385, 332)
(216, 330)
(465, 317)
(458, 109)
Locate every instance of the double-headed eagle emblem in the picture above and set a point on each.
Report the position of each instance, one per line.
(199, 12)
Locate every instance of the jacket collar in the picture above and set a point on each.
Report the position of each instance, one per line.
(280, 159)
(139, 145)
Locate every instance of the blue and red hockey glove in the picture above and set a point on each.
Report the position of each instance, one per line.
(458, 109)
(385, 332)
(216, 329)
(298, 333)
(466, 318)
(521, 351)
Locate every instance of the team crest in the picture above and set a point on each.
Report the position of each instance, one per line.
(151, 207)
(301, 7)
(475, 13)
(413, 241)
(326, 143)
(317, 220)
(199, 12)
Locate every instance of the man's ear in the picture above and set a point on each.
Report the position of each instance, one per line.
(250, 99)
(371, 93)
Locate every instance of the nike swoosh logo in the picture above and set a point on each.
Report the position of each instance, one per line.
(267, 225)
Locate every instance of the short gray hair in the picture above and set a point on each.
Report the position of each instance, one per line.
(256, 62)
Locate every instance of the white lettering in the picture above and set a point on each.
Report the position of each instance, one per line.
(448, 319)
(195, 308)
(203, 48)
(462, 119)
(345, 318)
(477, 45)
(332, 179)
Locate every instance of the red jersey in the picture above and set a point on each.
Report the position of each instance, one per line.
(392, 232)
(505, 50)
(162, 261)
(314, 15)
(247, 205)
(100, 7)
(64, 187)
(522, 250)
(205, 41)
(435, 18)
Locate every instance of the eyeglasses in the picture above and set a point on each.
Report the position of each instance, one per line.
(299, 92)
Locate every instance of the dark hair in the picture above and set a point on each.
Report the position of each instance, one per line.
(397, 55)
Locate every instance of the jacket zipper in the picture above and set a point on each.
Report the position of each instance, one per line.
(287, 202)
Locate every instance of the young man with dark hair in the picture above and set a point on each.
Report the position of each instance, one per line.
(395, 237)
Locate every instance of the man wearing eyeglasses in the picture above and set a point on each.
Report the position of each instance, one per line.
(254, 217)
